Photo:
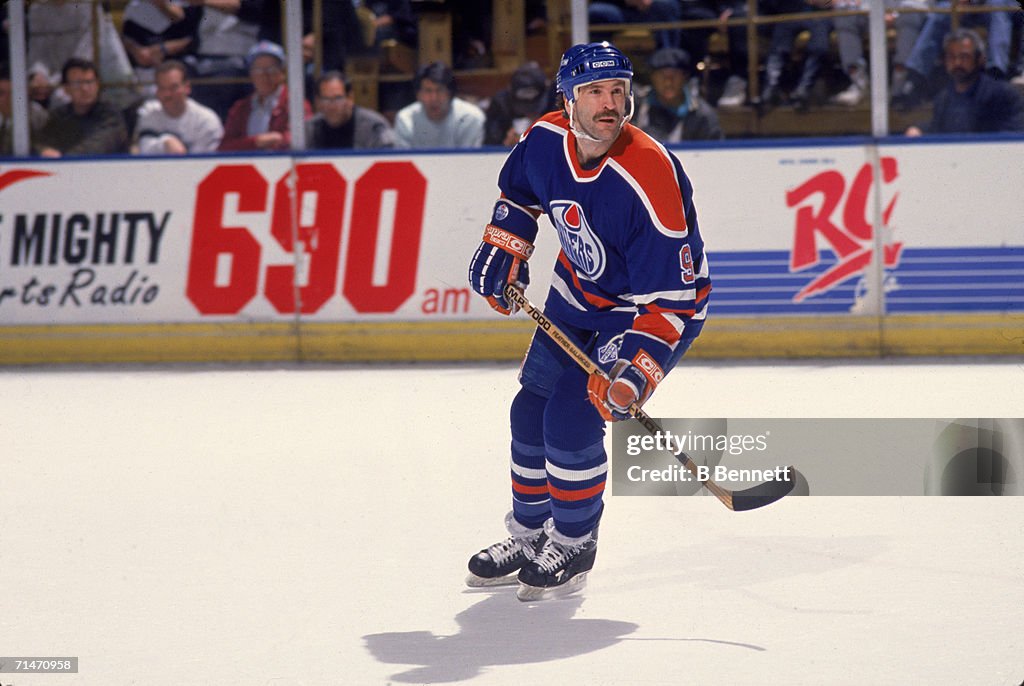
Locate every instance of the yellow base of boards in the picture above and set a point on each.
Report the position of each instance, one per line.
(723, 338)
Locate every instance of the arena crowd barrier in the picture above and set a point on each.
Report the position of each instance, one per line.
(835, 248)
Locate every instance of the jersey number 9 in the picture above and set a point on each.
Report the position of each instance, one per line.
(686, 265)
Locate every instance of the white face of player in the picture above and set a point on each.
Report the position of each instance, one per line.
(600, 108)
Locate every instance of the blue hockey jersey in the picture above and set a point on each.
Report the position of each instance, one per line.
(631, 257)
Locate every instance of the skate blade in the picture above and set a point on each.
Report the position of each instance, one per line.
(529, 594)
(474, 581)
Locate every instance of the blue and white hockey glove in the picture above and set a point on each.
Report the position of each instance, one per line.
(625, 384)
(500, 260)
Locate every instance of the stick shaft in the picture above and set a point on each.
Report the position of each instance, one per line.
(516, 296)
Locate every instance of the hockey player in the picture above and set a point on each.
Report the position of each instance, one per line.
(630, 286)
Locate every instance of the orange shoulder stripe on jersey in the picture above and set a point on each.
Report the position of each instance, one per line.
(652, 175)
(556, 118)
(643, 162)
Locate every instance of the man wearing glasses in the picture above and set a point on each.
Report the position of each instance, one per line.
(86, 125)
(340, 123)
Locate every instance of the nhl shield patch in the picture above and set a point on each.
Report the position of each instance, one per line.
(609, 352)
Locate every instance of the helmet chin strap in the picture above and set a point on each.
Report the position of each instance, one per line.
(578, 132)
(583, 135)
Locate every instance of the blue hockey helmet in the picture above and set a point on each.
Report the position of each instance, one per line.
(589, 62)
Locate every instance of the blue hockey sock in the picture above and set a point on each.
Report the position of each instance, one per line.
(531, 503)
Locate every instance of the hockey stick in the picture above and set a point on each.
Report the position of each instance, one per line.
(741, 500)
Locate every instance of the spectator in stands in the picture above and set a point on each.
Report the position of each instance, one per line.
(153, 31)
(473, 27)
(696, 43)
(908, 27)
(340, 30)
(396, 37)
(36, 114)
(395, 20)
(40, 87)
(1018, 69)
(472, 31)
(638, 11)
(672, 110)
(342, 124)
(226, 31)
(260, 121)
(783, 36)
(174, 123)
(512, 110)
(87, 125)
(914, 88)
(61, 29)
(973, 101)
(852, 31)
(438, 119)
(55, 31)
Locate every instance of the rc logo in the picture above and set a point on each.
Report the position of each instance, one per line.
(579, 242)
(832, 214)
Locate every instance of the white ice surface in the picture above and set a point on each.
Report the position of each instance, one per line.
(312, 525)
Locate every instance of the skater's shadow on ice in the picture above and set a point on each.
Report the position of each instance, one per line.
(499, 630)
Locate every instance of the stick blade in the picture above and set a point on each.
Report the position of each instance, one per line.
(764, 494)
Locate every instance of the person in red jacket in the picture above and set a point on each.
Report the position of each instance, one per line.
(260, 121)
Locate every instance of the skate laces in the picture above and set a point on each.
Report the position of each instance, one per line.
(504, 551)
(555, 555)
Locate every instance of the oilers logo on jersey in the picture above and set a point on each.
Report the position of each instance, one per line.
(579, 242)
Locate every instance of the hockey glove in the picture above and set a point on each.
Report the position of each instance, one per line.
(500, 260)
(613, 394)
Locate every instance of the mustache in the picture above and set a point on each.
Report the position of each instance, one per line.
(607, 113)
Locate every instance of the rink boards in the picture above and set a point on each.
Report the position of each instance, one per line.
(364, 257)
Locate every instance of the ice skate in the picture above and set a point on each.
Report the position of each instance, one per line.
(559, 569)
(498, 564)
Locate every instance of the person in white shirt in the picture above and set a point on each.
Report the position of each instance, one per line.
(174, 123)
(438, 119)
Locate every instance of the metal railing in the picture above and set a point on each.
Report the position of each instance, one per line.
(753, 20)
(291, 12)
